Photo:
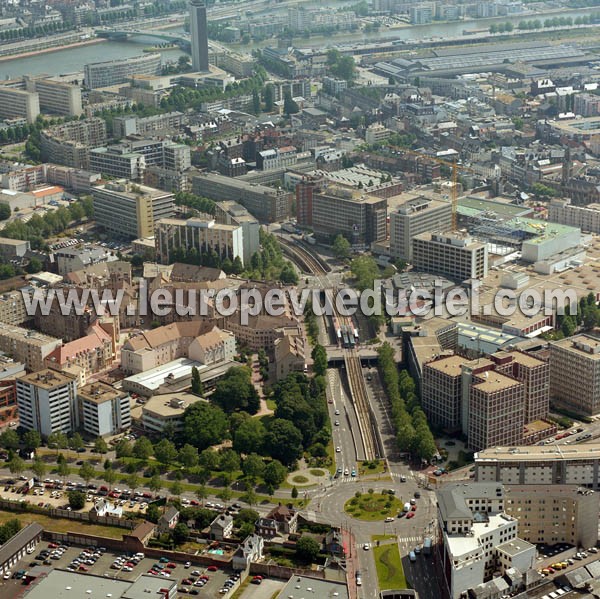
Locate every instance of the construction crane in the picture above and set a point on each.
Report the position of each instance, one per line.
(454, 166)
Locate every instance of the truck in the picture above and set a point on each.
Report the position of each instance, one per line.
(427, 546)
(406, 507)
(412, 556)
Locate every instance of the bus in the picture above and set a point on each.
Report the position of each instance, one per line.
(427, 546)
(339, 337)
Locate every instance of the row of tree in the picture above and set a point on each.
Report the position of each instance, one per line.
(269, 264)
(410, 423)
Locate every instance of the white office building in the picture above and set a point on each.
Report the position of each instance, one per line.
(104, 409)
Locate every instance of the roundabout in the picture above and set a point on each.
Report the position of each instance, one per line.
(372, 506)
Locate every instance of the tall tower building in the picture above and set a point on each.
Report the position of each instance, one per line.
(199, 35)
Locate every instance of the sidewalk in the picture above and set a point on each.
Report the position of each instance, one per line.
(348, 541)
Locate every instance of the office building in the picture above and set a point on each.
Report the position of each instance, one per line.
(47, 402)
(131, 211)
(166, 409)
(541, 465)
(18, 104)
(305, 191)
(361, 218)
(11, 249)
(415, 216)
(552, 514)
(24, 345)
(113, 72)
(478, 538)
(496, 411)
(55, 97)
(104, 410)
(267, 204)
(421, 14)
(199, 36)
(453, 255)
(586, 218)
(575, 373)
(12, 308)
(441, 392)
(200, 235)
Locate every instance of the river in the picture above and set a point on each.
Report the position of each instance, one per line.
(71, 60)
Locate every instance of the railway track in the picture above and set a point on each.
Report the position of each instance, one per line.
(356, 382)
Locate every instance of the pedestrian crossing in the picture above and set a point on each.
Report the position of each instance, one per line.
(412, 540)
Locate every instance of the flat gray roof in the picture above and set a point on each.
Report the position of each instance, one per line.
(303, 586)
(60, 584)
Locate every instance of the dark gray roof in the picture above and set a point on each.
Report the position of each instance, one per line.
(452, 498)
(14, 544)
(594, 568)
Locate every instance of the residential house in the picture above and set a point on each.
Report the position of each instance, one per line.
(251, 550)
(168, 521)
(221, 527)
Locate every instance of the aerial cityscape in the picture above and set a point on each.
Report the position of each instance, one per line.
(299, 299)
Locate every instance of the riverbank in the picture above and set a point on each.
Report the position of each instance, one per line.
(89, 42)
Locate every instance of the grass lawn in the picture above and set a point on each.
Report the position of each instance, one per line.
(373, 467)
(372, 506)
(389, 567)
(376, 538)
(64, 524)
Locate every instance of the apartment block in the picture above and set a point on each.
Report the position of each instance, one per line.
(265, 203)
(166, 409)
(415, 216)
(113, 72)
(198, 340)
(586, 104)
(117, 161)
(131, 211)
(553, 514)
(47, 402)
(18, 104)
(200, 235)
(496, 411)
(56, 97)
(27, 346)
(12, 308)
(454, 255)
(587, 218)
(231, 213)
(361, 218)
(575, 373)
(540, 465)
(104, 410)
(477, 537)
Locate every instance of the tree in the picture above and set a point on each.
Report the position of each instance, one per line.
(269, 95)
(62, 469)
(133, 481)
(76, 442)
(204, 425)
(568, 326)
(155, 483)
(35, 264)
(153, 513)
(39, 468)
(229, 462)
(180, 533)
(307, 549)
(76, 500)
(177, 488)
(100, 445)
(201, 493)
(110, 476)
(58, 440)
(4, 211)
(341, 247)
(255, 102)
(16, 465)
(32, 440)
(250, 497)
(249, 436)
(197, 387)
(142, 448)
(165, 451)
(236, 392)
(283, 441)
(87, 472)
(253, 467)
(188, 456)
(294, 492)
(289, 105)
(9, 439)
(319, 356)
(124, 449)
(274, 474)
(209, 459)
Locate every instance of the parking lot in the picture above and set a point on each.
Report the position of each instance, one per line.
(53, 493)
(105, 565)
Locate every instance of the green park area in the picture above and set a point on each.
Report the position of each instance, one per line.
(389, 567)
(372, 506)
